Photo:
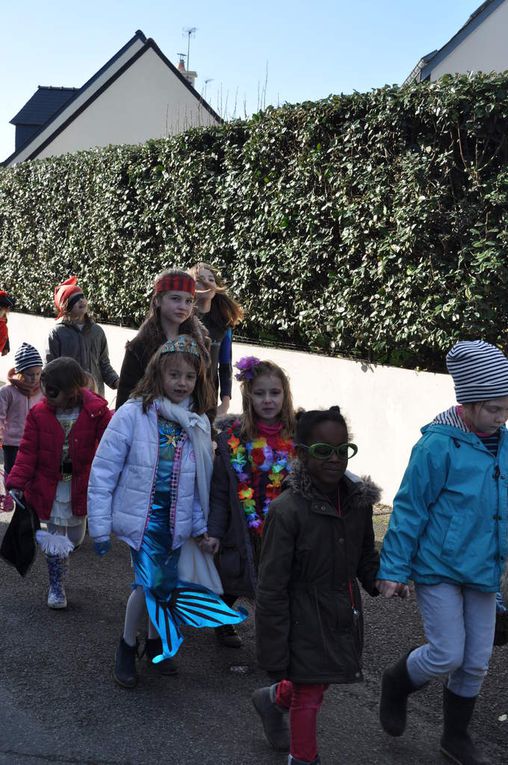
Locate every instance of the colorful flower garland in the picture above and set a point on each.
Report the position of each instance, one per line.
(254, 456)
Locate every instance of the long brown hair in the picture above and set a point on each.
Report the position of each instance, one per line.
(287, 414)
(151, 385)
(151, 335)
(225, 309)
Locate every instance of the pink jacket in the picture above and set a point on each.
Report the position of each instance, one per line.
(14, 407)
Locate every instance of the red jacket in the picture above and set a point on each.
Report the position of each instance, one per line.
(4, 333)
(37, 469)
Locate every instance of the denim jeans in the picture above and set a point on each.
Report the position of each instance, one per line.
(459, 626)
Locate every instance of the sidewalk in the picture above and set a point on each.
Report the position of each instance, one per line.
(58, 702)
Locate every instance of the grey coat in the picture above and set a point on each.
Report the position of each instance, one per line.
(88, 346)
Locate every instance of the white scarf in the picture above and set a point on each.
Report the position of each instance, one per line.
(197, 427)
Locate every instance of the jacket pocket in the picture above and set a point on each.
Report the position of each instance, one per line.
(453, 536)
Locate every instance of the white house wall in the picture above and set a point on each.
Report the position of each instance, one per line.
(147, 101)
(483, 50)
(384, 406)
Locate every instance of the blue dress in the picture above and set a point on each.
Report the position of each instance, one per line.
(155, 563)
(171, 602)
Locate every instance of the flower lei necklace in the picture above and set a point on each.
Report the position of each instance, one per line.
(258, 456)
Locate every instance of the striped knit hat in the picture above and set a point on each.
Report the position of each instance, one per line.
(479, 371)
(25, 357)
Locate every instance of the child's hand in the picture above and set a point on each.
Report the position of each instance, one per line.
(213, 544)
(102, 548)
(389, 589)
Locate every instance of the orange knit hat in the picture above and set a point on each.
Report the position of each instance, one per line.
(64, 291)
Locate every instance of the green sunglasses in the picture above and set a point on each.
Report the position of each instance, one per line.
(325, 451)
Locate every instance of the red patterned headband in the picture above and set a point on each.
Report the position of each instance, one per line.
(175, 283)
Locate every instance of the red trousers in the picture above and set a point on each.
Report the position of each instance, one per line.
(303, 702)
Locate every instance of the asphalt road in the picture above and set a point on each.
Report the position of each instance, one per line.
(58, 702)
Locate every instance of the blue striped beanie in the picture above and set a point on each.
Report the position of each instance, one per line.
(479, 371)
(26, 356)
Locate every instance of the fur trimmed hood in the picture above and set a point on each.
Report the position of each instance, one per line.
(366, 491)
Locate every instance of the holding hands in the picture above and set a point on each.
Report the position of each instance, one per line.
(209, 544)
(392, 589)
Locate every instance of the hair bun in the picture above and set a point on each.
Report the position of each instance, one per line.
(335, 408)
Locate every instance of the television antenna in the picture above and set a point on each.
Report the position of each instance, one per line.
(189, 32)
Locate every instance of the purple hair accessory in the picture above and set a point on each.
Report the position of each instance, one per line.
(246, 366)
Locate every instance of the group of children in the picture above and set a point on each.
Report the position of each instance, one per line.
(262, 505)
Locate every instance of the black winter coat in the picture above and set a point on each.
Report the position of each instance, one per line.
(307, 628)
(226, 521)
(135, 361)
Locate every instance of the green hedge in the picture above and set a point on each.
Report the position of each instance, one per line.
(371, 225)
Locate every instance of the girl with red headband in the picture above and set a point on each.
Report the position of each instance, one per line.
(169, 315)
(78, 336)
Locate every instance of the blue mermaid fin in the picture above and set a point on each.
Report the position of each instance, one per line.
(161, 617)
(189, 604)
(198, 606)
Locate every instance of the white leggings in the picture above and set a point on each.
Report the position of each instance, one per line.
(134, 613)
(75, 533)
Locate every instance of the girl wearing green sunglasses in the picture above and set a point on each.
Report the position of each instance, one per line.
(318, 544)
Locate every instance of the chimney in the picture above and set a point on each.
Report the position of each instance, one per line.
(190, 76)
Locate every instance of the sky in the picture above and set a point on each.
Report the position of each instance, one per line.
(247, 53)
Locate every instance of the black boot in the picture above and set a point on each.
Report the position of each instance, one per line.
(227, 635)
(456, 743)
(396, 686)
(125, 665)
(153, 647)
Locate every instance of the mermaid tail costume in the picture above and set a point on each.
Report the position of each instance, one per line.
(171, 602)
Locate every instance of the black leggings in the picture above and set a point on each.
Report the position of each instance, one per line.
(9, 458)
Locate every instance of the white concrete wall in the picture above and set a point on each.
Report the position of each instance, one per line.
(484, 50)
(384, 406)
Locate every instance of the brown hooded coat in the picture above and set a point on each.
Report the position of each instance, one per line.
(309, 626)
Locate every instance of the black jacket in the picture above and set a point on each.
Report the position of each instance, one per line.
(306, 626)
(226, 521)
(134, 364)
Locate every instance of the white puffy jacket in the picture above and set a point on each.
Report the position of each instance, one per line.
(123, 475)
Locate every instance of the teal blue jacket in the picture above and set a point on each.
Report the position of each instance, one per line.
(450, 516)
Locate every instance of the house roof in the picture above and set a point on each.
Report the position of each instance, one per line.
(43, 104)
(423, 69)
(81, 98)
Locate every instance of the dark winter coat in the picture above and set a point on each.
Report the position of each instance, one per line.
(88, 346)
(226, 521)
(38, 465)
(306, 628)
(135, 362)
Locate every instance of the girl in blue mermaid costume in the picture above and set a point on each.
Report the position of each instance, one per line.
(149, 485)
